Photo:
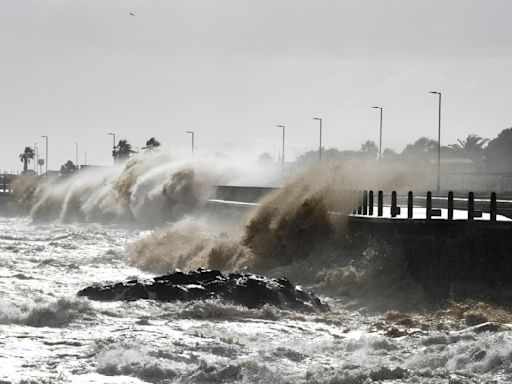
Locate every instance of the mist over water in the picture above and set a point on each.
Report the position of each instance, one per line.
(149, 189)
(298, 231)
(380, 327)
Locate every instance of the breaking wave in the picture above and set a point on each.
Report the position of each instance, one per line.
(58, 313)
(150, 189)
(299, 231)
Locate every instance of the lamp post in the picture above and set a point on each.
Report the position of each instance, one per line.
(282, 155)
(320, 145)
(113, 146)
(192, 133)
(438, 144)
(380, 132)
(35, 155)
(46, 155)
(76, 153)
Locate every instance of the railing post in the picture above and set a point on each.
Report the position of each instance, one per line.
(380, 203)
(429, 205)
(410, 203)
(471, 206)
(494, 206)
(370, 203)
(365, 202)
(359, 195)
(394, 207)
(450, 205)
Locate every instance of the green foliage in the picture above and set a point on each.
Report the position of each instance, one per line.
(68, 168)
(152, 143)
(472, 147)
(25, 157)
(498, 153)
(123, 150)
(370, 149)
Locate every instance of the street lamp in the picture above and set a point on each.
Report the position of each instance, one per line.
(76, 150)
(35, 155)
(192, 133)
(46, 138)
(438, 144)
(282, 156)
(380, 133)
(113, 146)
(320, 145)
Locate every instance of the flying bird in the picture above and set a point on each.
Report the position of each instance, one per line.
(132, 14)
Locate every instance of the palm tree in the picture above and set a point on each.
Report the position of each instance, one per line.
(123, 150)
(26, 156)
(152, 144)
(471, 147)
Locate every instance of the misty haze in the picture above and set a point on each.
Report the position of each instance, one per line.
(256, 191)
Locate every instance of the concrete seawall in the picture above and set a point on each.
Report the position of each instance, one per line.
(449, 257)
(461, 257)
(5, 198)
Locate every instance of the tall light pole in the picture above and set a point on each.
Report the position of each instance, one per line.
(35, 155)
(76, 150)
(282, 155)
(46, 155)
(380, 132)
(438, 144)
(113, 146)
(320, 145)
(192, 133)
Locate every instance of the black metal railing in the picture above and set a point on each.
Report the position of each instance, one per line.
(365, 202)
(433, 205)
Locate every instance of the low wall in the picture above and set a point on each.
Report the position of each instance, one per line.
(449, 257)
(5, 198)
(469, 258)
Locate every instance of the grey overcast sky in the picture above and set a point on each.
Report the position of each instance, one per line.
(231, 70)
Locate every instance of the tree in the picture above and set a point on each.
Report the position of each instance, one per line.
(25, 157)
(329, 155)
(389, 154)
(472, 147)
(266, 158)
(152, 144)
(68, 168)
(421, 150)
(370, 149)
(123, 150)
(498, 153)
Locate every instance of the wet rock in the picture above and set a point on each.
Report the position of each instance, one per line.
(395, 332)
(457, 380)
(246, 289)
(385, 373)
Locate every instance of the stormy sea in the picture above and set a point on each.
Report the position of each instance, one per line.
(156, 215)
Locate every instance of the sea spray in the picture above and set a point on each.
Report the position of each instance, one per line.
(299, 231)
(150, 189)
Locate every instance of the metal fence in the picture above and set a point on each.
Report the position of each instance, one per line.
(242, 194)
(370, 202)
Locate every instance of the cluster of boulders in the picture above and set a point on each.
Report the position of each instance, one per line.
(245, 289)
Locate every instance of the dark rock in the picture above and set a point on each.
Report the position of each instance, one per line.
(395, 332)
(246, 289)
